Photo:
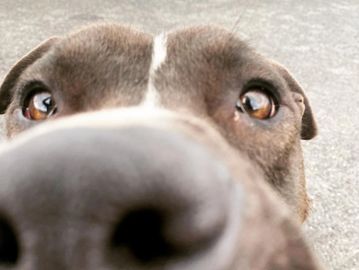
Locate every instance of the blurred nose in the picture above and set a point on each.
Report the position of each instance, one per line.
(126, 198)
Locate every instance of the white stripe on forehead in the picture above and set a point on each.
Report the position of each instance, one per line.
(159, 51)
(159, 54)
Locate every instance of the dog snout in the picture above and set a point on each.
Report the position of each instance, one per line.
(86, 198)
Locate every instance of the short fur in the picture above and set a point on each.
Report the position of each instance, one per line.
(198, 162)
(205, 70)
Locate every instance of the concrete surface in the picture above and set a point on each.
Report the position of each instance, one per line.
(317, 40)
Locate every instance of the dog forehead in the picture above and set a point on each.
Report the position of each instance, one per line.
(209, 43)
(206, 34)
(116, 46)
(103, 39)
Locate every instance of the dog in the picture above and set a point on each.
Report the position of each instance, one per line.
(185, 146)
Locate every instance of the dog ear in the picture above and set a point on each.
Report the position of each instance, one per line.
(14, 73)
(309, 126)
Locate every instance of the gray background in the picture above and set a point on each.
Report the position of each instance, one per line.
(317, 40)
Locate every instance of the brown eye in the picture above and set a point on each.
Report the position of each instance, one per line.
(39, 106)
(257, 103)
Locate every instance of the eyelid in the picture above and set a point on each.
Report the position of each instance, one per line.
(268, 86)
(28, 88)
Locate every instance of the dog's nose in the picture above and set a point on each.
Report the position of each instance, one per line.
(128, 198)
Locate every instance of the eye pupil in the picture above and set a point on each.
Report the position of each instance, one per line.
(47, 102)
(251, 103)
(257, 103)
(42, 102)
(39, 106)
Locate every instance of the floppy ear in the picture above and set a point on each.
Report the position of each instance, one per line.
(309, 126)
(13, 75)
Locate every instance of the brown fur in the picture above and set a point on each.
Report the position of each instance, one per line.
(205, 71)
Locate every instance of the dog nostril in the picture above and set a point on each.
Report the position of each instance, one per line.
(140, 233)
(9, 248)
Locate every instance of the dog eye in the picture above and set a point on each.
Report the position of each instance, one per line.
(258, 103)
(39, 106)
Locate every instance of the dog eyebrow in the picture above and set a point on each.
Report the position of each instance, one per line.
(159, 55)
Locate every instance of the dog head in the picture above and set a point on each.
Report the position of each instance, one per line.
(202, 71)
(201, 82)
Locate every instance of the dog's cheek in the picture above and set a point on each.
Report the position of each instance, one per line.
(11, 128)
(267, 137)
(15, 122)
(276, 150)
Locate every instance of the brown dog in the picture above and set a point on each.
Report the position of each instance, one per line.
(200, 82)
